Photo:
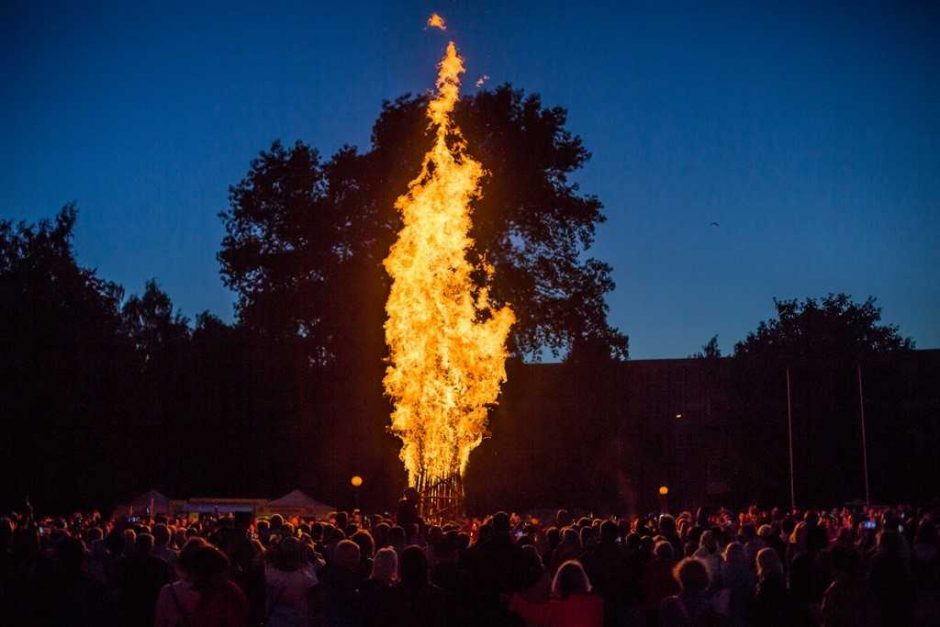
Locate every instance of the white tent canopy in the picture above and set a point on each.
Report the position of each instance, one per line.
(157, 502)
(298, 503)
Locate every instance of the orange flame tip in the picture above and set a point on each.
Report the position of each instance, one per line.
(436, 21)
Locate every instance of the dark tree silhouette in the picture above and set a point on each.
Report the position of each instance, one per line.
(820, 342)
(305, 238)
(710, 350)
(103, 397)
(62, 360)
(830, 327)
(150, 322)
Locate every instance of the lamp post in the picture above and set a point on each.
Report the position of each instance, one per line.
(356, 483)
(790, 443)
(861, 416)
(663, 493)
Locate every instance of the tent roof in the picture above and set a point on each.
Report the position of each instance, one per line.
(297, 499)
(144, 499)
(159, 503)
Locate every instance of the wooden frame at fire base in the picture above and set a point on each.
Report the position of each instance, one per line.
(442, 501)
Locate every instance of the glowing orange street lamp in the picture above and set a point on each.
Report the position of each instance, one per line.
(663, 490)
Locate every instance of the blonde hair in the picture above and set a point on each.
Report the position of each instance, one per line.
(768, 562)
(385, 566)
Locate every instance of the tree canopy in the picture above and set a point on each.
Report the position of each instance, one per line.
(830, 327)
(710, 350)
(305, 236)
(103, 395)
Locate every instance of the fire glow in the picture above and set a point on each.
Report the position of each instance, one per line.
(436, 21)
(447, 344)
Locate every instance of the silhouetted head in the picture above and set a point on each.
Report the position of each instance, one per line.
(890, 543)
(571, 537)
(435, 534)
(664, 551)
(288, 555)
(93, 534)
(385, 566)
(552, 537)
(587, 534)
(130, 538)
(765, 533)
(768, 564)
(203, 564)
(735, 554)
(798, 535)
(331, 534)
(691, 575)
(143, 545)
(816, 538)
(501, 524)
(632, 541)
(413, 567)
(161, 535)
(447, 550)
(380, 534)
(366, 543)
(347, 555)
(570, 579)
(667, 524)
(396, 535)
(708, 541)
(748, 532)
(562, 518)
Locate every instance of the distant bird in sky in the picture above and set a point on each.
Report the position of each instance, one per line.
(715, 224)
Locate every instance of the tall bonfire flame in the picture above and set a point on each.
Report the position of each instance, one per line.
(447, 343)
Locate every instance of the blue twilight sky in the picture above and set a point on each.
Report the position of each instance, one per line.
(808, 131)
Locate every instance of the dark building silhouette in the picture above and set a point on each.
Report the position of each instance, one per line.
(712, 431)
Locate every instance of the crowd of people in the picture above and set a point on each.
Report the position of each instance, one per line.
(756, 567)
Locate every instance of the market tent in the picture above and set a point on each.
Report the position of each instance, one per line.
(157, 502)
(296, 503)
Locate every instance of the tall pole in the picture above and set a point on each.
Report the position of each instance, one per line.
(790, 438)
(861, 412)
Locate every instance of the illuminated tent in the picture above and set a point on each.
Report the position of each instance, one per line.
(157, 502)
(296, 503)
